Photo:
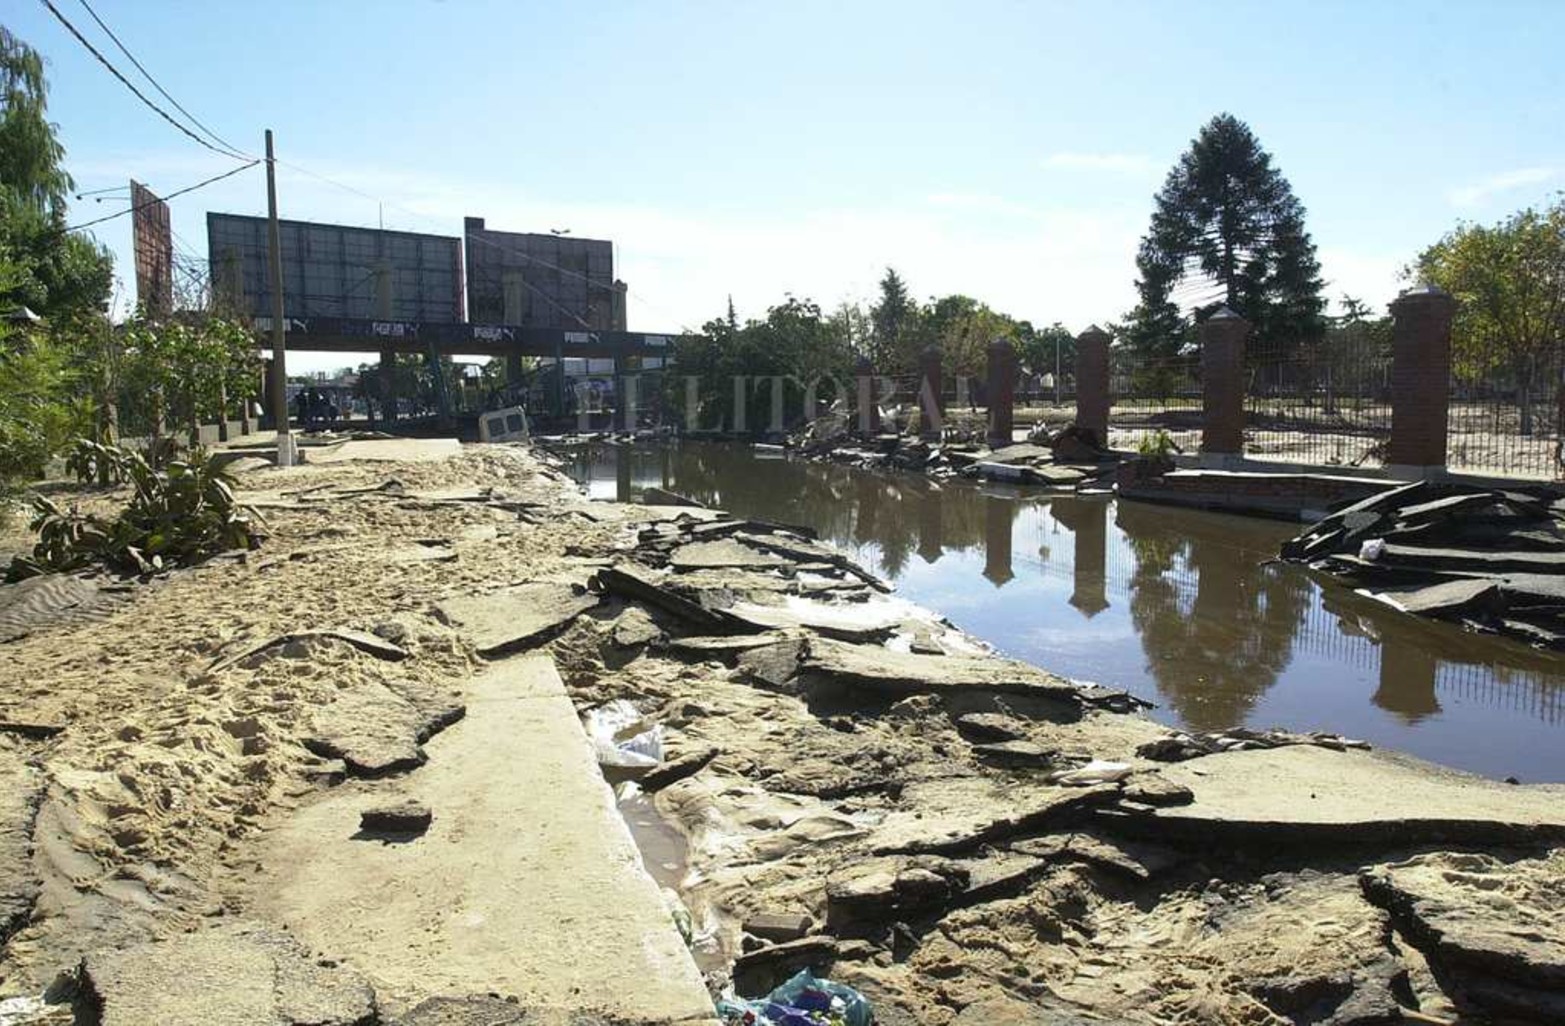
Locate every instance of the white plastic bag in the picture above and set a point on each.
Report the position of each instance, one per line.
(1372, 549)
(621, 737)
(1098, 771)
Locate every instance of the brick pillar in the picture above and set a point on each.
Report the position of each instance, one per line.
(1092, 382)
(1420, 380)
(999, 514)
(866, 402)
(1001, 391)
(931, 404)
(1222, 386)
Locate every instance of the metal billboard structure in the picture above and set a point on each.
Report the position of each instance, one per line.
(153, 242)
(334, 270)
(542, 281)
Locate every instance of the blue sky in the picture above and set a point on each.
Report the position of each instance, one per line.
(1005, 150)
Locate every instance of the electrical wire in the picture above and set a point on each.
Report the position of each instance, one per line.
(156, 200)
(233, 150)
(129, 85)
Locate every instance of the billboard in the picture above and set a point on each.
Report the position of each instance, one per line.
(542, 281)
(334, 270)
(153, 243)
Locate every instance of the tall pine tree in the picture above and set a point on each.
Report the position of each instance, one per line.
(1227, 229)
(893, 324)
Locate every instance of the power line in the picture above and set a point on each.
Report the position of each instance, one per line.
(129, 85)
(172, 195)
(233, 150)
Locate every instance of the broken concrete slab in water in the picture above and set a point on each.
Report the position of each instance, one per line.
(1446, 550)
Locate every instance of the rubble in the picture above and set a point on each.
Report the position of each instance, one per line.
(1068, 459)
(863, 792)
(499, 623)
(1487, 559)
(407, 817)
(1491, 925)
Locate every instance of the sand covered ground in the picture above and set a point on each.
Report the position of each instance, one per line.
(853, 785)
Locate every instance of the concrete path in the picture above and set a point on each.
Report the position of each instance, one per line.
(528, 882)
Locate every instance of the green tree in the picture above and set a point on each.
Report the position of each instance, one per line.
(31, 156)
(190, 369)
(740, 370)
(1037, 349)
(894, 320)
(1509, 279)
(1227, 229)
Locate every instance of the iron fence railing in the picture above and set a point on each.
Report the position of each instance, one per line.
(1507, 421)
(1327, 403)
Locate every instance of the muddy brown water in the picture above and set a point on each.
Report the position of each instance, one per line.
(1173, 605)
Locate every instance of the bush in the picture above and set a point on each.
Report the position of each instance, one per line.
(1160, 445)
(177, 517)
(91, 462)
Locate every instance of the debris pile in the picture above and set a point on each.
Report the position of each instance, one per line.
(1491, 560)
(1071, 458)
(868, 795)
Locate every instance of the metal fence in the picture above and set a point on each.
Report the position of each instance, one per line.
(1327, 403)
(1506, 421)
(1154, 395)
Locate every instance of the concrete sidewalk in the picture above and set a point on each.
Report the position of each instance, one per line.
(528, 883)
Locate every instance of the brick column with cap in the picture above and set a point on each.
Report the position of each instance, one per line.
(1222, 386)
(1420, 381)
(1092, 382)
(1001, 391)
(931, 403)
(865, 401)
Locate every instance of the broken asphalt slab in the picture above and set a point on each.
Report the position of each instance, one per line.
(501, 622)
(1491, 924)
(21, 790)
(1305, 794)
(899, 674)
(376, 731)
(243, 975)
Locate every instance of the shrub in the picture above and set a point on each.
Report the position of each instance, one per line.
(176, 517)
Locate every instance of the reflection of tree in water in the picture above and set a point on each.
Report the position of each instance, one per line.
(1217, 630)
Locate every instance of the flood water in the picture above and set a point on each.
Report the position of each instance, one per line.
(1172, 605)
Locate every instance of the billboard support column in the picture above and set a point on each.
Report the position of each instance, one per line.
(388, 356)
(286, 452)
(512, 314)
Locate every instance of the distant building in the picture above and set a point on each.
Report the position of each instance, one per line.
(541, 281)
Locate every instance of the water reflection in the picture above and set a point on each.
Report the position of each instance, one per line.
(1178, 606)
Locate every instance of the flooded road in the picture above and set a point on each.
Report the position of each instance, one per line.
(1172, 605)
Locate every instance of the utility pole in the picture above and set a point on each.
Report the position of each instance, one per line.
(286, 452)
(1056, 368)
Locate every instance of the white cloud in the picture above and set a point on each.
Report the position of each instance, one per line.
(1372, 278)
(1115, 163)
(1476, 193)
